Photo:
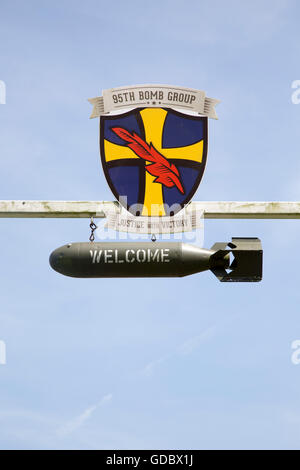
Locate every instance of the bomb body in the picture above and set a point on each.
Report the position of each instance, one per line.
(117, 259)
(160, 259)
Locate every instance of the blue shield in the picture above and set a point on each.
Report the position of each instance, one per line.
(153, 158)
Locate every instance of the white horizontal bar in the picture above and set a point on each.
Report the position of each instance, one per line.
(54, 209)
(97, 209)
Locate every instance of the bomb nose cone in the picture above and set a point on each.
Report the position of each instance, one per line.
(64, 260)
(56, 260)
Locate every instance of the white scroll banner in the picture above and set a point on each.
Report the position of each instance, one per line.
(153, 96)
(183, 222)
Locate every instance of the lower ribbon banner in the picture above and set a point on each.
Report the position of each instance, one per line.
(185, 221)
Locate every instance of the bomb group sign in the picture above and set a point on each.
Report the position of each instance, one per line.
(153, 146)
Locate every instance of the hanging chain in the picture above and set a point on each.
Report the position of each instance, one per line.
(93, 227)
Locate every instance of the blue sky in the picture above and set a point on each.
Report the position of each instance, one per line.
(181, 363)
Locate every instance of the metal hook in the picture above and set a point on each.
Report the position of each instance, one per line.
(153, 237)
(93, 227)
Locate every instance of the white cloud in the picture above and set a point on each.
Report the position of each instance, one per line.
(185, 348)
(78, 421)
(149, 368)
(189, 346)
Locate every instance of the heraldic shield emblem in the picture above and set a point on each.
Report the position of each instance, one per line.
(153, 158)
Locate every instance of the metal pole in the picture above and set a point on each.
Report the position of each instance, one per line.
(97, 209)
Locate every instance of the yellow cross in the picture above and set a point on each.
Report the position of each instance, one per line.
(153, 120)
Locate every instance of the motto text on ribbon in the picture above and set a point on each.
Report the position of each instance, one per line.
(183, 222)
